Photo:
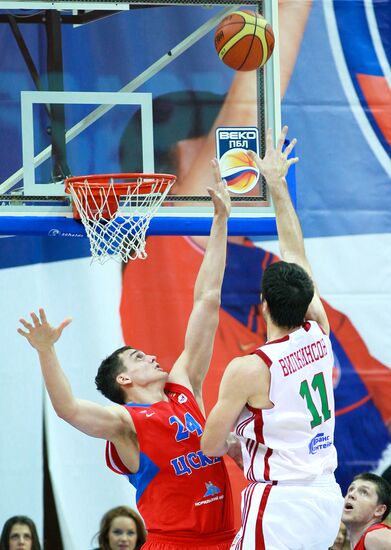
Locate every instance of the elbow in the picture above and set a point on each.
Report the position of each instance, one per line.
(65, 413)
(209, 448)
(211, 298)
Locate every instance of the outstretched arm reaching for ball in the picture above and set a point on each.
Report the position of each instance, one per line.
(191, 367)
(274, 167)
(88, 417)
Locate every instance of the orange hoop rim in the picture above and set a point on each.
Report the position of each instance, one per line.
(143, 181)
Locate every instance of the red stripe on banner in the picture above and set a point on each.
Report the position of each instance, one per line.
(259, 535)
(265, 260)
(353, 406)
(378, 96)
(251, 317)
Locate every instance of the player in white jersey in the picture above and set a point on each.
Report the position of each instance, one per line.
(280, 399)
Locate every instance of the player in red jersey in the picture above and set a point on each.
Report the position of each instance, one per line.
(367, 504)
(154, 431)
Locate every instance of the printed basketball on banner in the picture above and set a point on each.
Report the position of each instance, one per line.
(239, 171)
(236, 166)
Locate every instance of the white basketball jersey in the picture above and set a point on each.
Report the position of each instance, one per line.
(293, 441)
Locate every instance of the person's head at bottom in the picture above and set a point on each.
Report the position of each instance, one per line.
(19, 533)
(120, 528)
(368, 500)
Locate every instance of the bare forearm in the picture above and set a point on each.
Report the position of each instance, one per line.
(56, 383)
(290, 235)
(210, 276)
(214, 441)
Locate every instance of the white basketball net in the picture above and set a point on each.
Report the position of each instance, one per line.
(116, 226)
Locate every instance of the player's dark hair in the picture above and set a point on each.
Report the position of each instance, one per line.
(22, 520)
(383, 490)
(288, 291)
(108, 371)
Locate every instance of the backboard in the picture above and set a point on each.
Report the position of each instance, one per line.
(103, 87)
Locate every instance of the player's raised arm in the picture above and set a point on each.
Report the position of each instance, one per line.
(88, 417)
(191, 367)
(274, 167)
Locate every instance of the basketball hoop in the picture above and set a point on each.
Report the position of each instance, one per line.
(116, 210)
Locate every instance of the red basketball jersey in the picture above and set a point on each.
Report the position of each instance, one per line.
(179, 491)
(361, 543)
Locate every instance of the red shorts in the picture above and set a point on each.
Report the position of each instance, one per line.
(167, 542)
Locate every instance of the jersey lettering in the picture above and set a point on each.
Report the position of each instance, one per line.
(185, 464)
(303, 357)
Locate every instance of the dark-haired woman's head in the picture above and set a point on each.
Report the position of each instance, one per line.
(19, 533)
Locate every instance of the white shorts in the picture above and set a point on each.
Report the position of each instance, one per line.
(290, 517)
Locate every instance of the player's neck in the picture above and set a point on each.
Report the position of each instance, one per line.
(153, 393)
(356, 530)
(274, 332)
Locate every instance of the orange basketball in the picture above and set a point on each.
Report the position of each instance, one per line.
(244, 40)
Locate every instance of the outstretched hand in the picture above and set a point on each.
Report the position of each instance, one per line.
(219, 194)
(39, 333)
(275, 164)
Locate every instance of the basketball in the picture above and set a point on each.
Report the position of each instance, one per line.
(244, 40)
(239, 170)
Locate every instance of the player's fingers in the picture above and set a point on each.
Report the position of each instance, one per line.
(35, 319)
(42, 315)
(269, 139)
(255, 157)
(22, 332)
(27, 325)
(212, 192)
(293, 160)
(290, 146)
(64, 324)
(216, 170)
(282, 137)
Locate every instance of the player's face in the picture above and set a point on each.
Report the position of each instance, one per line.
(20, 537)
(141, 367)
(361, 503)
(122, 534)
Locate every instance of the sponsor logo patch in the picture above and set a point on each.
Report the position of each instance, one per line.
(319, 442)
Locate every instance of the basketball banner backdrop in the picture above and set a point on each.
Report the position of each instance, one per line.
(336, 100)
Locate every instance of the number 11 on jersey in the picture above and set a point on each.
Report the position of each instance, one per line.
(317, 384)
